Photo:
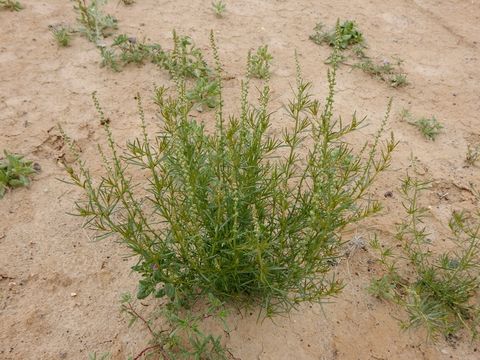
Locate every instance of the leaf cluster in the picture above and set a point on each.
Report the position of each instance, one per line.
(344, 35)
(15, 172)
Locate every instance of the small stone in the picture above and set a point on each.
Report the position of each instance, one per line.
(73, 294)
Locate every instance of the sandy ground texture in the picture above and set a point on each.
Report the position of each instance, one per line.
(46, 257)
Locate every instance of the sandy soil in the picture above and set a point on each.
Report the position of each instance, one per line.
(45, 256)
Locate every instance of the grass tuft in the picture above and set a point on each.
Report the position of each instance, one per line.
(439, 290)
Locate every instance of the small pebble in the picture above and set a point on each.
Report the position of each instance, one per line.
(73, 294)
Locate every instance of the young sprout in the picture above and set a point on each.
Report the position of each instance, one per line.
(218, 8)
(344, 35)
(473, 154)
(398, 80)
(429, 127)
(14, 172)
(259, 63)
(62, 36)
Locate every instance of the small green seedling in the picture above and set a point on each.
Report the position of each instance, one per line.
(95, 356)
(62, 36)
(95, 24)
(429, 127)
(185, 60)
(109, 59)
(181, 334)
(385, 70)
(218, 8)
(345, 35)
(259, 63)
(14, 172)
(126, 50)
(405, 115)
(473, 154)
(11, 5)
(398, 80)
(135, 51)
(349, 39)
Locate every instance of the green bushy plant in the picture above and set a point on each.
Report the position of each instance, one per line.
(259, 63)
(15, 172)
(11, 5)
(439, 292)
(237, 213)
